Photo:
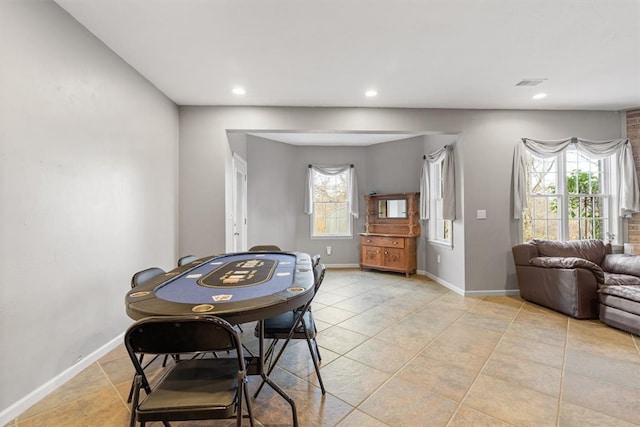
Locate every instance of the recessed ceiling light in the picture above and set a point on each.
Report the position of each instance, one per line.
(371, 93)
(539, 95)
(239, 90)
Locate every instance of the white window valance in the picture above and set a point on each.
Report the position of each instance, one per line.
(627, 180)
(447, 157)
(352, 191)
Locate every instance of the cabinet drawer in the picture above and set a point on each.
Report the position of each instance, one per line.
(389, 242)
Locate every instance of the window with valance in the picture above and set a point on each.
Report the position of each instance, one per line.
(331, 200)
(573, 188)
(437, 193)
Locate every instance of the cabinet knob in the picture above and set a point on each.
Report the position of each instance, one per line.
(395, 242)
(369, 241)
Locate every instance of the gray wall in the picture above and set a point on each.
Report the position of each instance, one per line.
(485, 150)
(276, 182)
(272, 190)
(88, 192)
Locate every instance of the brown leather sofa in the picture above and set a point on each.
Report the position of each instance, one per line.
(582, 279)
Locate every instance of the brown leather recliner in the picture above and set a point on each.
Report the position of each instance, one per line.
(563, 276)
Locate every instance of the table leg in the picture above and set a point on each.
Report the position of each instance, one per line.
(266, 379)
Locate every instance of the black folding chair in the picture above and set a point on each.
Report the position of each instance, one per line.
(137, 279)
(265, 248)
(294, 325)
(194, 388)
(186, 260)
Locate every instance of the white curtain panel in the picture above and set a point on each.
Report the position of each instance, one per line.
(447, 156)
(627, 184)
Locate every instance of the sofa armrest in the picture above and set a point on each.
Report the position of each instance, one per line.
(523, 253)
(568, 263)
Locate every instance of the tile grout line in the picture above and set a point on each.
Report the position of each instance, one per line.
(564, 364)
(482, 368)
(113, 386)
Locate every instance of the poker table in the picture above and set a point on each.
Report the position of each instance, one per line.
(239, 287)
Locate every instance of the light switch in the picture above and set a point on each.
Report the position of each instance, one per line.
(482, 214)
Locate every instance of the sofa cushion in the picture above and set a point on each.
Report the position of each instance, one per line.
(569, 262)
(622, 264)
(628, 292)
(611, 279)
(592, 250)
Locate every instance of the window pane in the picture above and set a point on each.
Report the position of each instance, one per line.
(439, 229)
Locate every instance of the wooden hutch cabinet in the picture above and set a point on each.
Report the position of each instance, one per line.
(392, 226)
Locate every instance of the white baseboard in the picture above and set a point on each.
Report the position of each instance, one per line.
(442, 282)
(342, 265)
(465, 293)
(38, 394)
(493, 293)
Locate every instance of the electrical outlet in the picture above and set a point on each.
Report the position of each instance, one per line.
(328, 250)
(438, 259)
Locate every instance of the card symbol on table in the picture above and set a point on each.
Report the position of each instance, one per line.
(283, 274)
(194, 276)
(222, 297)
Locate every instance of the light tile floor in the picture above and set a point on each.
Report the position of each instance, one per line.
(402, 351)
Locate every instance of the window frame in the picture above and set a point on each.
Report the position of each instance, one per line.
(606, 193)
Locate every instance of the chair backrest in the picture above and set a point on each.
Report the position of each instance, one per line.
(145, 275)
(315, 260)
(265, 248)
(318, 275)
(186, 260)
(180, 334)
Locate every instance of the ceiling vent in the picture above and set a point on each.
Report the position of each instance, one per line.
(530, 82)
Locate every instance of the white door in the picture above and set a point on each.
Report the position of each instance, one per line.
(239, 204)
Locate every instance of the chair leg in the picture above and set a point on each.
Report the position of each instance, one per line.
(136, 397)
(313, 358)
(248, 402)
(133, 382)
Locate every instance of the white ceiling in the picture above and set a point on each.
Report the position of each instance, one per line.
(415, 53)
(322, 138)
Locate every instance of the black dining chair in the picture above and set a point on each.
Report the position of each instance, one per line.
(265, 248)
(137, 279)
(186, 260)
(194, 388)
(294, 325)
(144, 276)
